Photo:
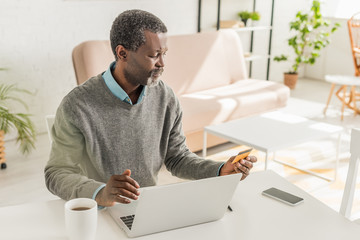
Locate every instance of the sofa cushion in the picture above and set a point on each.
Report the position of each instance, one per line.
(242, 98)
(196, 62)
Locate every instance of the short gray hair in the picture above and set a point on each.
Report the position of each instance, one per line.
(128, 29)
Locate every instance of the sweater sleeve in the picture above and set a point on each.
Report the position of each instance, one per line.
(181, 162)
(65, 171)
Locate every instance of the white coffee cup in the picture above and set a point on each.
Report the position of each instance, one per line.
(81, 218)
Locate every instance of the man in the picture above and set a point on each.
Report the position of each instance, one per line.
(113, 133)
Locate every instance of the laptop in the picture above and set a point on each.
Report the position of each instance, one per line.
(166, 207)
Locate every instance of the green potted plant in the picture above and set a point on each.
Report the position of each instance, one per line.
(255, 16)
(244, 16)
(21, 122)
(311, 35)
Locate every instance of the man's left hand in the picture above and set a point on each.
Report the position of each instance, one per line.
(243, 166)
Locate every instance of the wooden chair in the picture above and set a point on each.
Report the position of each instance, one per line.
(354, 32)
(348, 196)
(350, 98)
(347, 99)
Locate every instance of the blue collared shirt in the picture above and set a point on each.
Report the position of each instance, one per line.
(116, 89)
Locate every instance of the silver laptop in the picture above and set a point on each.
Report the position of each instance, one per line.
(166, 207)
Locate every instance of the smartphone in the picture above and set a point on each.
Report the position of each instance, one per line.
(282, 196)
(242, 155)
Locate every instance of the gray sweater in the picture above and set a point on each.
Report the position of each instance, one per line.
(96, 135)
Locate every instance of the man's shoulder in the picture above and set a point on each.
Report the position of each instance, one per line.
(93, 84)
(86, 89)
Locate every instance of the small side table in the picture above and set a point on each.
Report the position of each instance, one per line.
(273, 131)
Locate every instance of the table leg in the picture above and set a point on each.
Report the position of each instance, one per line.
(204, 144)
(343, 104)
(266, 159)
(337, 156)
(341, 94)
(329, 98)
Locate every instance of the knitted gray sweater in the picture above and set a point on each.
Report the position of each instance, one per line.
(96, 135)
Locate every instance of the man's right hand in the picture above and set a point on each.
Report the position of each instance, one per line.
(118, 189)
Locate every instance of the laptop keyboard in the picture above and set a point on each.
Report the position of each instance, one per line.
(128, 220)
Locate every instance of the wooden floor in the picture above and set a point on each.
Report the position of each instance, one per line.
(23, 180)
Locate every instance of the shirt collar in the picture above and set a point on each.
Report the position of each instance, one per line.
(115, 88)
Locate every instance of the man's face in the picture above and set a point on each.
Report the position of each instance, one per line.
(146, 65)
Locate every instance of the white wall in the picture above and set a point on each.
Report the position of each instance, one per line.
(341, 8)
(336, 58)
(284, 12)
(281, 33)
(37, 37)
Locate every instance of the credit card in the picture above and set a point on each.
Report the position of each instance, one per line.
(242, 155)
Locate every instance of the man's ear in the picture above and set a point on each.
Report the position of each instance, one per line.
(121, 53)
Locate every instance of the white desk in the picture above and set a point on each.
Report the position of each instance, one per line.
(273, 131)
(254, 217)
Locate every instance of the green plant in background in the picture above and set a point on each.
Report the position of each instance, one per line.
(255, 16)
(20, 121)
(312, 34)
(244, 15)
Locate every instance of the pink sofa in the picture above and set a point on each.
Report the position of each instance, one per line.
(207, 71)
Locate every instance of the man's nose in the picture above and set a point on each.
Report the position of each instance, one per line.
(160, 62)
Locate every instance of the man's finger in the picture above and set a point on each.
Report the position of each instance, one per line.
(241, 168)
(246, 163)
(251, 159)
(243, 176)
(127, 172)
(125, 178)
(118, 186)
(125, 193)
(120, 199)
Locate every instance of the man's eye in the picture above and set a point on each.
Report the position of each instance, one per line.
(157, 55)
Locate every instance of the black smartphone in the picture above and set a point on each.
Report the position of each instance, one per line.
(282, 196)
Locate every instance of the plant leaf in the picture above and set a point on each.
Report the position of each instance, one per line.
(18, 121)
